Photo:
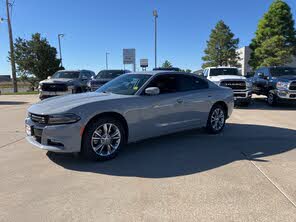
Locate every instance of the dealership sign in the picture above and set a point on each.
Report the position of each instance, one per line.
(144, 63)
(129, 56)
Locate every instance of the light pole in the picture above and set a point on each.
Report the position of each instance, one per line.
(60, 48)
(155, 14)
(12, 59)
(107, 53)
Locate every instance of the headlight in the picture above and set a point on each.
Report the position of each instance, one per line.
(282, 85)
(63, 118)
(249, 84)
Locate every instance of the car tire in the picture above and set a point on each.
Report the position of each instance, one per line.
(272, 99)
(108, 129)
(216, 119)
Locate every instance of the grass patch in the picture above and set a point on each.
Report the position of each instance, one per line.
(21, 93)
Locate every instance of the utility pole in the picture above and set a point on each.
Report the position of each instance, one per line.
(60, 48)
(12, 59)
(155, 14)
(107, 53)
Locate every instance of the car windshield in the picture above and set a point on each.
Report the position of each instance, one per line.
(224, 71)
(109, 74)
(282, 71)
(66, 75)
(126, 84)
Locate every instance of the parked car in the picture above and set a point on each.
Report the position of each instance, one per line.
(65, 82)
(277, 83)
(230, 77)
(103, 77)
(127, 109)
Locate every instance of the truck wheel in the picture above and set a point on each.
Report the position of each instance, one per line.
(272, 99)
(216, 119)
(103, 138)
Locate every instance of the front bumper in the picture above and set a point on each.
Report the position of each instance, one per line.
(56, 138)
(241, 95)
(286, 94)
(46, 94)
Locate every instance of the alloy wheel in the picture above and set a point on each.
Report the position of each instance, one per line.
(218, 119)
(106, 139)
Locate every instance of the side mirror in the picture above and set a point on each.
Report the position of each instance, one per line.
(49, 77)
(152, 91)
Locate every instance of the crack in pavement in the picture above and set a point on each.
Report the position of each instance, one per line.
(269, 179)
(3, 146)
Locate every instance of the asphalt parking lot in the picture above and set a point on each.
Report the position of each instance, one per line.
(245, 174)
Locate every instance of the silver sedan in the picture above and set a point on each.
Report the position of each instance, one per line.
(127, 109)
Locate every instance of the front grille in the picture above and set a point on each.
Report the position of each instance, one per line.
(292, 85)
(240, 85)
(38, 118)
(53, 87)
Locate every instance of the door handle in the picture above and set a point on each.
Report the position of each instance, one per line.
(179, 101)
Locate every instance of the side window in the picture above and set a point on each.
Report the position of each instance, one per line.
(188, 83)
(89, 75)
(166, 83)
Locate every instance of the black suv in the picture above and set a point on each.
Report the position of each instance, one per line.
(277, 83)
(103, 77)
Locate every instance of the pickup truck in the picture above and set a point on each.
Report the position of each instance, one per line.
(65, 82)
(277, 83)
(230, 77)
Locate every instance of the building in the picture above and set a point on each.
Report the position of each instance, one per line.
(244, 55)
(5, 78)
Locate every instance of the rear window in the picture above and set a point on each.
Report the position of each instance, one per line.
(224, 71)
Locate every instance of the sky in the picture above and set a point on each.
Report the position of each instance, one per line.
(94, 27)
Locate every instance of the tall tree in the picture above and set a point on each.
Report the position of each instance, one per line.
(35, 57)
(167, 64)
(275, 39)
(221, 47)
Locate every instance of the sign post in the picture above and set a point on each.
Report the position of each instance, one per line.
(144, 64)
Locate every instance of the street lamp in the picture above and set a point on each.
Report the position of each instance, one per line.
(107, 53)
(155, 14)
(60, 48)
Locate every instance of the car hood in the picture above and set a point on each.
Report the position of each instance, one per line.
(285, 78)
(62, 104)
(61, 80)
(226, 77)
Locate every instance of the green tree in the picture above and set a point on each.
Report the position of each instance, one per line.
(221, 47)
(275, 39)
(35, 58)
(167, 64)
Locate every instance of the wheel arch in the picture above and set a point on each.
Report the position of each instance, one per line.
(223, 104)
(114, 115)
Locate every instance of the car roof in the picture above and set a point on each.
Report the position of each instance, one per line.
(162, 72)
(221, 67)
(74, 70)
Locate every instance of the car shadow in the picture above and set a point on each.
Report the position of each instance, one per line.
(12, 103)
(261, 104)
(188, 152)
